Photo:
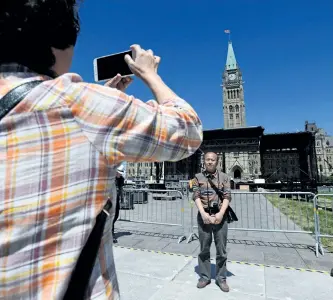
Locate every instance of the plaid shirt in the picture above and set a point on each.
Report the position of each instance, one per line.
(59, 149)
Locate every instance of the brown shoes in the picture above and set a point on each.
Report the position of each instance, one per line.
(203, 283)
(222, 284)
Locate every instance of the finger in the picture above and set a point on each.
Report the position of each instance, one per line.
(157, 60)
(127, 82)
(128, 79)
(114, 81)
(121, 86)
(136, 50)
(128, 59)
(135, 47)
(149, 51)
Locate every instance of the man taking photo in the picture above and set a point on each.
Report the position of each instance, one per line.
(212, 220)
(61, 140)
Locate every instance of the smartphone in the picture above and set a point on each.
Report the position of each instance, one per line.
(107, 67)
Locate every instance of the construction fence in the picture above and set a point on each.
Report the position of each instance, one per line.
(286, 212)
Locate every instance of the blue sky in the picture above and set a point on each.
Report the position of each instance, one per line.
(284, 48)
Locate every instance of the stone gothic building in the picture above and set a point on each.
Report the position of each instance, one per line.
(246, 152)
(233, 93)
(324, 150)
(240, 161)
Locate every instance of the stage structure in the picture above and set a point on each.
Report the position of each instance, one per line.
(289, 157)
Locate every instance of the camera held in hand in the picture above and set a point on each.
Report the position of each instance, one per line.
(214, 208)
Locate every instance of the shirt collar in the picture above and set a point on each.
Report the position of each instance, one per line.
(18, 71)
(213, 174)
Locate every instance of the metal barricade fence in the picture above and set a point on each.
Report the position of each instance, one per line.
(324, 222)
(286, 212)
(160, 207)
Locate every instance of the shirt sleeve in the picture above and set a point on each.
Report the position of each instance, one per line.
(227, 188)
(196, 188)
(124, 128)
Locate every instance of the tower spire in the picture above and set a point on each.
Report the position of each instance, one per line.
(233, 93)
(231, 63)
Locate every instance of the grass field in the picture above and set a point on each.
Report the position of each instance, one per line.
(301, 213)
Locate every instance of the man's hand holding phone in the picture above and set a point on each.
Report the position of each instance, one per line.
(120, 83)
(143, 63)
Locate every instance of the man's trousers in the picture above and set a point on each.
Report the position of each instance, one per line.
(206, 232)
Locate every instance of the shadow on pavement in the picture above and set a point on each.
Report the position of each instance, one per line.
(146, 233)
(272, 244)
(213, 271)
(119, 234)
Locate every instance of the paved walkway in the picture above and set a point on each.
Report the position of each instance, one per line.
(146, 275)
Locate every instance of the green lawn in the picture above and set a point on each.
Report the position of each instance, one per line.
(301, 213)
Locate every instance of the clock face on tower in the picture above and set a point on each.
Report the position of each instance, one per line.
(232, 76)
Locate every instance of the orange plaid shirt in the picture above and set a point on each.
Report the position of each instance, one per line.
(59, 149)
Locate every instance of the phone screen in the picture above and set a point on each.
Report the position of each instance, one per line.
(109, 66)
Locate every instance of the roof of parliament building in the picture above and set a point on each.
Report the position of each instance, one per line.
(268, 141)
(253, 131)
(286, 140)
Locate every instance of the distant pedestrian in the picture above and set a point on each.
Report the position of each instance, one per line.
(208, 189)
(120, 182)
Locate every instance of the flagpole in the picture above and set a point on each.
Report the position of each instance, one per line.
(228, 31)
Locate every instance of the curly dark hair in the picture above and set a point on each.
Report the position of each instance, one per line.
(29, 28)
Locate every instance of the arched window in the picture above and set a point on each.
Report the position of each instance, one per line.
(237, 108)
(237, 93)
(231, 109)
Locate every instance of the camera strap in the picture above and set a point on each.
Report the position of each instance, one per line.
(15, 96)
(231, 215)
(79, 280)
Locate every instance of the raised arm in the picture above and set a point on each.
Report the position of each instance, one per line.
(124, 128)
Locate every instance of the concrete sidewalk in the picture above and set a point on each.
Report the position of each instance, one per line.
(269, 248)
(148, 275)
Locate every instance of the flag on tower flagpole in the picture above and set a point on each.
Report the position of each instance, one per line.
(227, 31)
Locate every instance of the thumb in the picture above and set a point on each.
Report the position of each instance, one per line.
(157, 62)
(113, 81)
(129, 60)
